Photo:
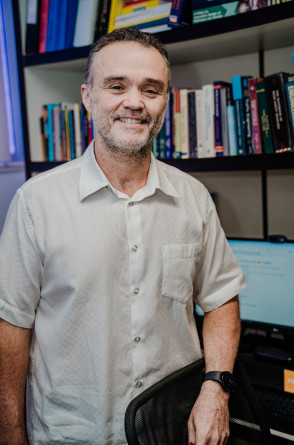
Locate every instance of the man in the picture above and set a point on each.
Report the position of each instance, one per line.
(101, 262)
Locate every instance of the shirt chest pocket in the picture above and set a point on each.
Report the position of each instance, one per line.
(179, 269)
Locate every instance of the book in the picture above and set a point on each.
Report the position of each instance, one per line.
(168, 128)
(237, 90)
(162, 11)
(102, 23)
(192, 124)
(199, 124)
(51, 151)
(208, 121)
(267, 141)
(140, 5)
(224, 120)
(85, 22)
(177, 123)
(247, 115)
(278, 111)
(289, 88)
(180, 14)
(219, 129)
(219, 11)
(60, 39)
(231, 123)
(32, 26)
(256, 127)
(44, 133)
(184, 123)
(52, 25)
(199, 4)
(44, 12)
(56, 114)
(70, 23)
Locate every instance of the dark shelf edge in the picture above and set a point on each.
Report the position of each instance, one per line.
(273, 161)
(247, 20)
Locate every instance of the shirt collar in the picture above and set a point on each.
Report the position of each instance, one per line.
(92, 178)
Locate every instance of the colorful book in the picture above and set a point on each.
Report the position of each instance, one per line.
(199, 124)
(218, 126)
(184, 123)
(154, 15)
(192, 124)
(219, 11)
(247, 115)
(256, 127)
(70, 23)
(44, 12)
(140, 5)
(60, 39)
(237, 90)
(232, 123)
(289, 88)
(267, 141)
(168, 128)
(52, 27)
(51, 151)
(208, 121)
(224, 120)
(278, 111)
(180, 13)
(177, 123)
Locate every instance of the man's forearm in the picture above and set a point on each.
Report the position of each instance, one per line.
(14, 357)
(221, 336)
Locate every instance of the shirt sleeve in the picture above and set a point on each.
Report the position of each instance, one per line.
(20, 266)
(219, 276)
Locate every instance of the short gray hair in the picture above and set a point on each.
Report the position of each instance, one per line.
(125, 35)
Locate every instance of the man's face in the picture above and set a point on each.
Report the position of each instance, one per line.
(128, 97)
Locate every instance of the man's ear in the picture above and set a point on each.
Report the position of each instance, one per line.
(86, 97)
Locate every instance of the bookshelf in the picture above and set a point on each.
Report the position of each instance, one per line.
(247, 37)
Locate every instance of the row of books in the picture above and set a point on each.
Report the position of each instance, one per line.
(246, 116)
(53, 25)
(66, 131)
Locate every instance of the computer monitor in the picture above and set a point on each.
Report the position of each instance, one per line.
(268, 300)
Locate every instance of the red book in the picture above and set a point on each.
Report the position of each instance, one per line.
(44, 12)
(256, 129)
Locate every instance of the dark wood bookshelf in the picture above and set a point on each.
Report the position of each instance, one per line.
(264, 38)
(270, 161)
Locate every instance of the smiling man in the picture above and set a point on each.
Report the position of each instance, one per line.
(101, 262)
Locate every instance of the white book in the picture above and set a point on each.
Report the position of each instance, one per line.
(208, 121)
(85, 23)
(184, 123)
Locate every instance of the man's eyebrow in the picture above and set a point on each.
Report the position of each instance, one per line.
(110, 79)
(157, 82)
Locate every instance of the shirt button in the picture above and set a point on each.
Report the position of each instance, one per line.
(136, 291)
(137, 339)
(135, 248)
(138, 384)
(131, 203)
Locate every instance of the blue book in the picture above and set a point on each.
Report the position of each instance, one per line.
(71, 22)
(52, 27)
(240, 119)
(289, 88)
(247, 115)
(168, 129)
(218, 124)
(71, 134)
(192, 124)
(64, 5)
(51, 155)
(232, 126)
(180, 14)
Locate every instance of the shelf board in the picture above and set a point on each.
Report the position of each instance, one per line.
(275, 161)
(266, 28)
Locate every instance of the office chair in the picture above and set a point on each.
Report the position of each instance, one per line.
(159, 415)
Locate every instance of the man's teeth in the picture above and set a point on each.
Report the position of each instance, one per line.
(131, 121)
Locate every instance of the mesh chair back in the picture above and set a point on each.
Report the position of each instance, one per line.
(160, 414)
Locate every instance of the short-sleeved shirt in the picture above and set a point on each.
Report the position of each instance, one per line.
(108, 284)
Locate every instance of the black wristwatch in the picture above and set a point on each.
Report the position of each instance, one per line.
(225, 379)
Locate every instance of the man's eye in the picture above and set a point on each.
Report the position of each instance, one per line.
(152, 92)
(116, 87)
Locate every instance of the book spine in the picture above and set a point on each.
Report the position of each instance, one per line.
(278, 112)
(247, 115)
(44, 12)
(161, 141)
(32, 26)
(208, 121)
(215, 12)
(240, 121)
(255, 117)
(218, 136)
(192, 123)
(180, 13)
(289, 88)
(71, 134)
(184, 124)
(224, 121)
(168, 129)
(56, 134)
(267, 141)
(177, 125)
(52, 27)
(199, 124)
(70, 23)
(232, 126)
(61, 24)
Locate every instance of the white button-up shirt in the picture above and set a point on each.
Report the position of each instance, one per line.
(108, 285)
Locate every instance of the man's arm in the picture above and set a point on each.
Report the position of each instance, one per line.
(14, 358)
(209, 419)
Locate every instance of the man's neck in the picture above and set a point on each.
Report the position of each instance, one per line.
(125, 174)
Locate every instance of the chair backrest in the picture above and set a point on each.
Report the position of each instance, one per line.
(159, 415)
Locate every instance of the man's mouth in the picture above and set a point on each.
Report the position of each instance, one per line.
(131, 121)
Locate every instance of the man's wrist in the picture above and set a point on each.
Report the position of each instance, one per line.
(223, 378)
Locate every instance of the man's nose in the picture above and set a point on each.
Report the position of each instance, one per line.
(133, 99)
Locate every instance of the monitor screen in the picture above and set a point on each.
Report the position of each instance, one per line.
(268, 267)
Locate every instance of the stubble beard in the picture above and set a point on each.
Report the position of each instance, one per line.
(128, 147)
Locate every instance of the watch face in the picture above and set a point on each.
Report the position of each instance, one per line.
(228, 381)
